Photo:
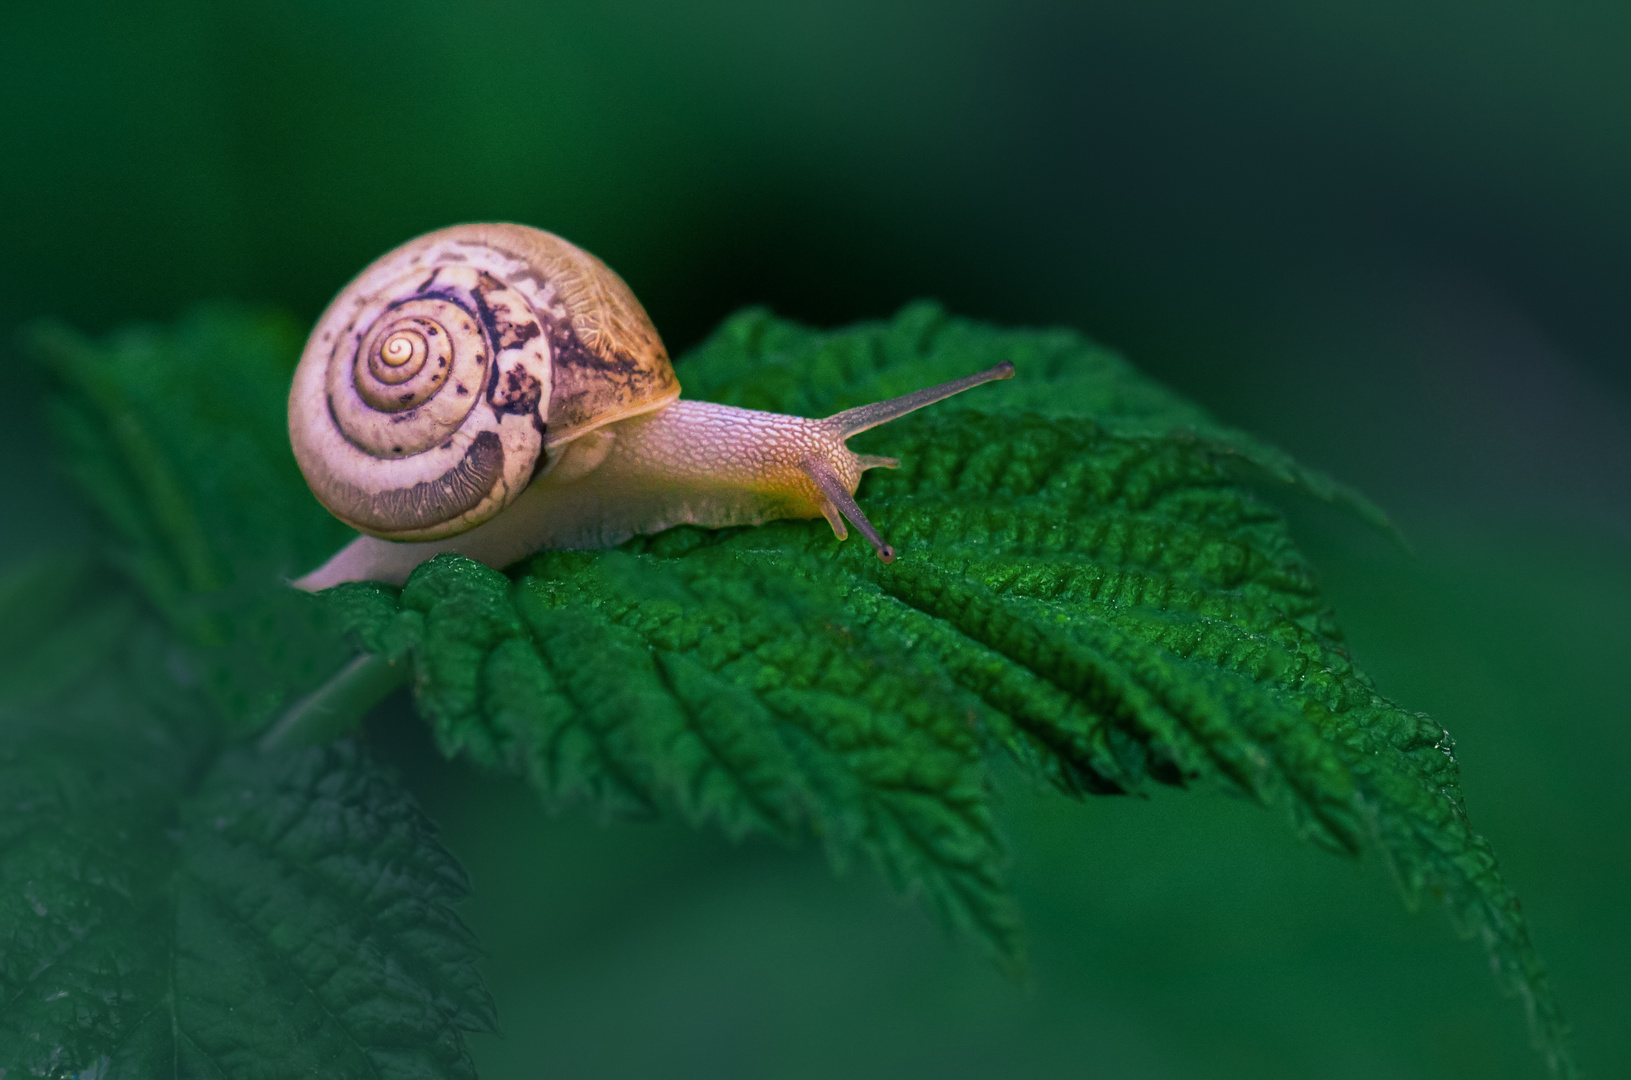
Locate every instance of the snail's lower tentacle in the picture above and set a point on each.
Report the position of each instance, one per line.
(839, 496)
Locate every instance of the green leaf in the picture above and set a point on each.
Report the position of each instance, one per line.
(178, 437)
(1085, 583)
(1089, 584)
(171, 910)
(721, 691)
(174, 905)
(60, 615)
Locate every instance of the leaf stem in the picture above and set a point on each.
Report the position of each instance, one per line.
(338, 705)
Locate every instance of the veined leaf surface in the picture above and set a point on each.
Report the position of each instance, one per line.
(1089, 583)
(173, 910)
(1085, 582)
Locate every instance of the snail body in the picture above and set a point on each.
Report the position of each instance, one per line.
(494, 390)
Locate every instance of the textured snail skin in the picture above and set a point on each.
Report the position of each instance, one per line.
(690, 462)
(494, 390)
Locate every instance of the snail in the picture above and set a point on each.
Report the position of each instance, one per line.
(492, 389)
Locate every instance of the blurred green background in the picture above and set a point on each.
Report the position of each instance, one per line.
(1392, 237)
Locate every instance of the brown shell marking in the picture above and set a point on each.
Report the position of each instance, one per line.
(607, 360)
(551, 345)
(428, 502)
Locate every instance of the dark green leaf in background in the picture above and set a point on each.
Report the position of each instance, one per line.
(178, 438)
(173, 910)
(173, 905)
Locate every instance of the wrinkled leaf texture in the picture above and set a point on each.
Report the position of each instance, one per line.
(173, 910)
(169, 904)
(1089, 582)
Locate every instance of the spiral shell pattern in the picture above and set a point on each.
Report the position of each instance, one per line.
(432, 388)
(420, 405)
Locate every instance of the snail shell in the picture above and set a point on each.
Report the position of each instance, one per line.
(448, 374)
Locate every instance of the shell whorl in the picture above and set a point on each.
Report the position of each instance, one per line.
(431, 389)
